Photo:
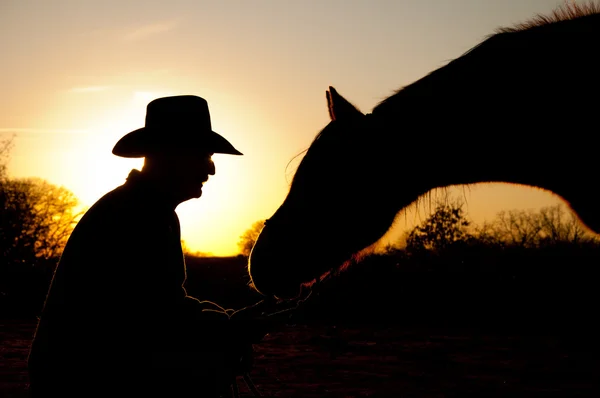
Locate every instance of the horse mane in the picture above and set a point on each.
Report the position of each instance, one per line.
(569, 11)
(566, 12)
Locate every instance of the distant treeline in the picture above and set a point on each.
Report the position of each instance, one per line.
(524, 269)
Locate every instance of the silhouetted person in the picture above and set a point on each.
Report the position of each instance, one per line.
(117, 319)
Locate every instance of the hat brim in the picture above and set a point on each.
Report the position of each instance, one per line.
(144, 141)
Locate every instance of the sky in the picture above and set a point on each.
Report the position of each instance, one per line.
(77, 75)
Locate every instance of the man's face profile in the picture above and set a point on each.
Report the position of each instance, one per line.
(192, 170)
(181, 173)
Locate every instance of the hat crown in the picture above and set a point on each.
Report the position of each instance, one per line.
(178, 111)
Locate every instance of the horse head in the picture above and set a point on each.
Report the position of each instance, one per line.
(330, 212)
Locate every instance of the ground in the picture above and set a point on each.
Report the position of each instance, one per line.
(386, 361)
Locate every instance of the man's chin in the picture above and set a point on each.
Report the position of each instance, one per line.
(194, 195)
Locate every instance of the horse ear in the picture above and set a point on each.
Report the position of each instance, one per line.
(339, 107)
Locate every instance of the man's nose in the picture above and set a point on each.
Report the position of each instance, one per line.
(211, 168)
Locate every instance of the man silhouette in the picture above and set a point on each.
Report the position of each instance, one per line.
(117, 319)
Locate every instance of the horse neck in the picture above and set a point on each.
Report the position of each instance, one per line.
(494, 113)
(445, 149)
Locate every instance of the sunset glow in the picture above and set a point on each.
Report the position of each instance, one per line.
(77, 76)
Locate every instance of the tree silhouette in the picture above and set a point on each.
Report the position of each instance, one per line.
(445, 227)
(36, 217)
(247, 240)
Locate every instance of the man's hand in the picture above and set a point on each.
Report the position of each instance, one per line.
(255, 321)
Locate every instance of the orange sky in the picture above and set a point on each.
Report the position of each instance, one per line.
(77, 75)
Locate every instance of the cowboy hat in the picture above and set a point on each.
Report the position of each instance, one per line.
(174, 123)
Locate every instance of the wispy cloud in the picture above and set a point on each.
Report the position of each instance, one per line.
(16, 130)
(149, 30)
(89, 89)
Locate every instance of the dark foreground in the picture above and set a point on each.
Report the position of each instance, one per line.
(389, 361)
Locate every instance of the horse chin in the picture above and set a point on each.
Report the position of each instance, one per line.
(289, 292)
(281, 277)
(273, 287)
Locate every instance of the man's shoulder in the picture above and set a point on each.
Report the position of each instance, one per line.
(118, 203)
(119, 197)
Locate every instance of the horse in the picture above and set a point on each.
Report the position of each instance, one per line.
(517, 108)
